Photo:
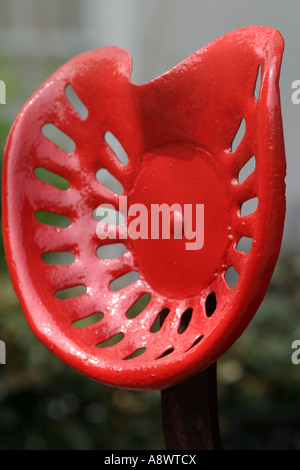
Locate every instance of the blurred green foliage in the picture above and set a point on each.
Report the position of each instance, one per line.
(258, 383)
(44, 404)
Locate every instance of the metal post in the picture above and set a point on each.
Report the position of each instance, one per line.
(190, 413)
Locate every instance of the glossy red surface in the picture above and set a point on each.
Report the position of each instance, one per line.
(179, 132)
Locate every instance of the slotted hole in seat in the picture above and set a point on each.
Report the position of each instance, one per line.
(111, 250)
(185, 320)
(138, 306)
(115, 339)
(58, 257)
(257, 83)
(116, 147)
(71, 292)
(244, 244)
(124, 281)
(136, 353)
(159, 321)
(109, 181)
(238, 136)
(249, 207)
(197, 341)
(76, 102)
(52, 218)
(88, 320)
(231, 277)
(58, 137)
(166, 353)
(210, 304)
(51, 178)
(247, 170)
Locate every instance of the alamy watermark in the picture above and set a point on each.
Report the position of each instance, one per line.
(296, 94)
(162, 221)
(2, 92)
(2, 352)
(296, 354)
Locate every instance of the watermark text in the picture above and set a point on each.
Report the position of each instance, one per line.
(296, 354)
(161, 221)
(2, 92)
(296, 94)
(2, 352)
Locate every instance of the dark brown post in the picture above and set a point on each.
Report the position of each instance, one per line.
(190, 413)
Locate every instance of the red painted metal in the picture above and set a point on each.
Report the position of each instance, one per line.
(178, 132)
